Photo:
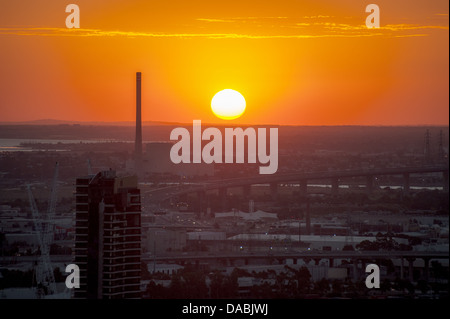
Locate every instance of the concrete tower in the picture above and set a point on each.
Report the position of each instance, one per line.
(138, 141)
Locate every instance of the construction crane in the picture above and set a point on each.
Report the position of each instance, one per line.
(89, 166)
(49, 232)
(44, 225)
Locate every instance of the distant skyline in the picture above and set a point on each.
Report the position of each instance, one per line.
(296, 62)
(169, 123)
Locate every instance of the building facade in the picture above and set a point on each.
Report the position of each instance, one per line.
(108, 236)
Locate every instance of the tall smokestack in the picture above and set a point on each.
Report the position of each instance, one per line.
(138, 142)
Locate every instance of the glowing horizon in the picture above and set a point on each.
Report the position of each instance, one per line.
(297, 63)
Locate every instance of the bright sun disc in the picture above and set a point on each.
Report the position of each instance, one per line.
(228, 104)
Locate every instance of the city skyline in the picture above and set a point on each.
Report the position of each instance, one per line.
(296, 63)
(240, 151)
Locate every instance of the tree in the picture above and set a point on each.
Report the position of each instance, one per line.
(145, 274)
(2, 243)
(403, 284)
(336, 288)
(438, 270)
(59, 276)
(385, 285)
(367, 245)
(322, 286)
(156, 291)
(217, 284)
(423, 286)
(177, 287)
(191, 283)
(263, 291)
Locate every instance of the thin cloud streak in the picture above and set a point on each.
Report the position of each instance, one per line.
(63, 32)
(348, 31)
(390, 27)
(214, 20)
(238, 19)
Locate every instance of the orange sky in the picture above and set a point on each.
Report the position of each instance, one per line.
(296, 62)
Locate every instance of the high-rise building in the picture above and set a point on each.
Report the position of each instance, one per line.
(108, 236)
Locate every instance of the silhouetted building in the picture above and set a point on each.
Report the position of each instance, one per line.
(108, 236)
(138, 141)
(427, 149)
(156, 160)
(441, 151)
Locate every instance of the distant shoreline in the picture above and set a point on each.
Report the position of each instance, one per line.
(50, 122)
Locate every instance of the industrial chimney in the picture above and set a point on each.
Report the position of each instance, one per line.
(138, 141)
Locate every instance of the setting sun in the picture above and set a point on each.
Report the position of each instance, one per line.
(228, 104)
(296, 63)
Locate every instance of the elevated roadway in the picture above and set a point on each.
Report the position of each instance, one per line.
(301, 177)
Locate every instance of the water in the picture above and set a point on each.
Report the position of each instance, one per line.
(343, 186)
(14, 144)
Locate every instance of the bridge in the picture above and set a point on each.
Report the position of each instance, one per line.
(302, 178)
(230, 259)
(317, 254)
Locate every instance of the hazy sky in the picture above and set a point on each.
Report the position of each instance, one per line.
(296, 62)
